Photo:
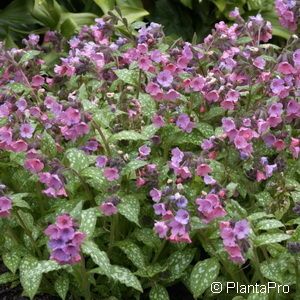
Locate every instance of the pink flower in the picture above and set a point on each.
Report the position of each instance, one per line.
(279, 145)
(5, 207)
(108, 209)
(64, 221)
(153, 88)
(285, 68)
(259, 62)
(37, 81)
(161, 228)
(197, 83)
(212, 96)
(33, 165)
(210, 207)
(158, 121)
(111, 174)
(203, 170)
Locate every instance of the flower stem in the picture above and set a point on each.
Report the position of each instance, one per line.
(85, 283)
(160, 249)
(106, 144)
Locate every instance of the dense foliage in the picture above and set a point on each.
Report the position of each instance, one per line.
(189, 19)
(131, 164)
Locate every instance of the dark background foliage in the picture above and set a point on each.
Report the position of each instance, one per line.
(181, 18)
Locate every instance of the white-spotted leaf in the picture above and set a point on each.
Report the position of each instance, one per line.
(203, 274)
(158, 292)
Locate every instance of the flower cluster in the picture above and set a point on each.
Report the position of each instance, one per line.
(210, 207)
(171, 206)
(288, 11)
(65, 240)
(234, 236)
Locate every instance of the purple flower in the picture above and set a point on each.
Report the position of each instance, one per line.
(275, 110)
(185, 123)
(26, 131)
(269, 139)
(228, 124)
(241, 229)
(156, 195)
(144, 150)
(277, 86)
(54, 244)
(182, 202)
(182, 216)
(101, 161)
(165, 78)
(159, 209)
(66, 233)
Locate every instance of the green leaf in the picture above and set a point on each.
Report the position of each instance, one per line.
(48, 145)
(30, 54)
(128, 76)
(152, 270)
(268, 224)
(129, 207)
(128, 135)
(158, 292)
(179, 261)
(95, 178)
(214, 112)
(203, 275)
(30, 280)
(148, 237)
(88, 221)
(99, 257)
(206, 129)
(17, 200)
(105, 5)
(17, 87)
(133, 14)
(244, 40)
(7, 277)
(133, 252)
(264, 198)
(125, 276)
(61, 286)
(132, 166)
(78, 159)
(12, 260)
(148, 105)
(269, 238)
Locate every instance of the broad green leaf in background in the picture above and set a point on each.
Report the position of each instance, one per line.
(158, 292)
(133, 252)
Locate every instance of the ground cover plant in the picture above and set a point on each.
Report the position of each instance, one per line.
(132, 164)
